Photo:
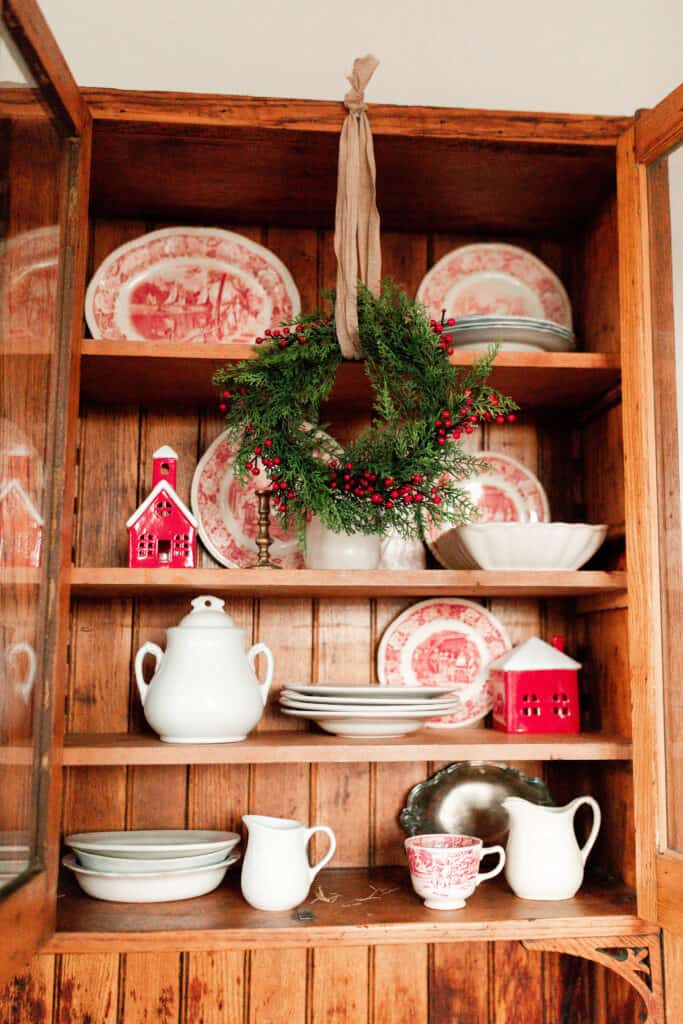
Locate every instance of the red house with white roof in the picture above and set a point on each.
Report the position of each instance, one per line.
(162, 531)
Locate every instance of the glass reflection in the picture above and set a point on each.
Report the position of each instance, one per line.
(31, 158)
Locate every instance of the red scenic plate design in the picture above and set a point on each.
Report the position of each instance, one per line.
(439, 873)
(506, 493)
(30, 271)
(491, 277)
(190, 284)
(444, 642)
(227, 513)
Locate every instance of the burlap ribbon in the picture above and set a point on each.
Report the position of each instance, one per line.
(356, 233)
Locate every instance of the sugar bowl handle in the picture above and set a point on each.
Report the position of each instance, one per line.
(262, 648)
(147, 648)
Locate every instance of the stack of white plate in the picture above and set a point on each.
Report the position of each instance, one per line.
(512, 333)
(14, 855)
(150, 866)
(369, 712)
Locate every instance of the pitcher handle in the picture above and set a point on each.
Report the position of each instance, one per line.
(26, 685)
(147, 648)
(499, 866)
(330, 853)
(262, 648)
(597, 819)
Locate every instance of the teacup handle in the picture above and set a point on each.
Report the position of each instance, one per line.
(499, 866)
(330, 853)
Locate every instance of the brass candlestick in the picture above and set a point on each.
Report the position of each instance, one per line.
(263, 537)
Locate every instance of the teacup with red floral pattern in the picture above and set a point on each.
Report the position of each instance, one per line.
(444, 869)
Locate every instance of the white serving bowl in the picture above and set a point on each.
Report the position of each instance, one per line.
(528, 546)
(161, 887)
(139, 866)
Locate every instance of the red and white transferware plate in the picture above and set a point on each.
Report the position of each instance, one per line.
(227, 513)
(190, 284)
(444, 642)
(492, 277)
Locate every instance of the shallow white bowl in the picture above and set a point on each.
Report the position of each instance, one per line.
(153, 844)
(528, 546)
(139, 865)
(161, 887)
(369, 724)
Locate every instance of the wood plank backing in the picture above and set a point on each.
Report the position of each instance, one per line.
(330, 639)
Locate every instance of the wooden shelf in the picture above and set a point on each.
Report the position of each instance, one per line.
(121, 582)
(223, 920)
(314, 747)
(180, 373)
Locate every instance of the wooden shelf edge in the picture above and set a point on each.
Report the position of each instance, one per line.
(222, 920)
(99, 348)
(290, 747)
(117, 581)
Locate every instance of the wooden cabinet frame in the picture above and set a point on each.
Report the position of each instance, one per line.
(29, 912)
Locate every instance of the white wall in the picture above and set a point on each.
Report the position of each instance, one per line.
(585, 56)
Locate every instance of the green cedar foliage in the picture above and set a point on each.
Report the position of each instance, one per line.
(406, 477)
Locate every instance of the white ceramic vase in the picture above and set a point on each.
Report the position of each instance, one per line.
(326, 549)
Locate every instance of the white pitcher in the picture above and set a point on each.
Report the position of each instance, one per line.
(276, 874)
(204, 689)
(544, 860)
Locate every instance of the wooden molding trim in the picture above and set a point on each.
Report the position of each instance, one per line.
(637, 958)
(660, 129)
(175, 112)
(669, 889)
(642, 544)
(28, 915)
(45, 60)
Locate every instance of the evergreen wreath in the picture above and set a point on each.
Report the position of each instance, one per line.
(403, 470)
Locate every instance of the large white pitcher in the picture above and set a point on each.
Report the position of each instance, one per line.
(276, 874)
(544, 861)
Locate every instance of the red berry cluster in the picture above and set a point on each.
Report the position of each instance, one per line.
(226, 395)
(437, 328)
(466, 420)
(263, 453)
(289, 335)
(385, 492)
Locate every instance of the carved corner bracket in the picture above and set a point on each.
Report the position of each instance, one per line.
(637, 958)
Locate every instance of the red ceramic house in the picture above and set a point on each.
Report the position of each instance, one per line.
(535, 689)
(21, 526)
(162, 531)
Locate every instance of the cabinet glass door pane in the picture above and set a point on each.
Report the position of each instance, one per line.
(32, 167)
(666, 208)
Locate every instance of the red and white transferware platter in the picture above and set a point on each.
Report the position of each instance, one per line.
(227, 513)
(492, 277)
(444, 642)
(190, 284)
(506, 493)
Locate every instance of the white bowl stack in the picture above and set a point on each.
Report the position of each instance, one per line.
(150, 866)
(513, 333)
(368, 712)
(15, 854)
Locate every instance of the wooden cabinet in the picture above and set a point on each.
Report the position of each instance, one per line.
(570, 188)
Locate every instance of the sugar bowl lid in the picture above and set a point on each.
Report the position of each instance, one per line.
(207, 613)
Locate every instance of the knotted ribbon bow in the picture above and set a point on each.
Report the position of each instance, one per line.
(356, 233)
